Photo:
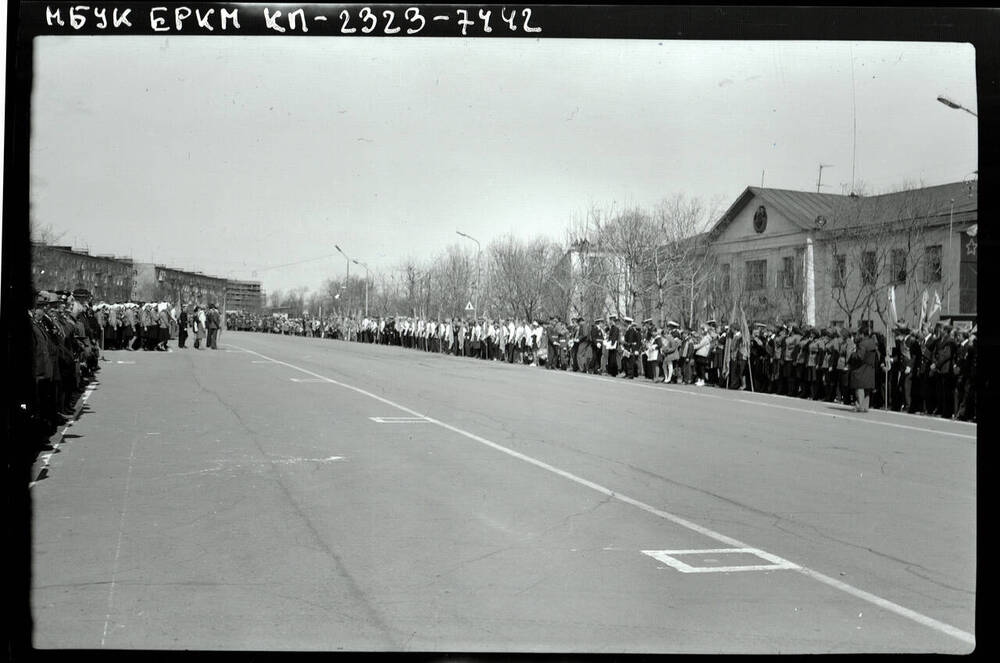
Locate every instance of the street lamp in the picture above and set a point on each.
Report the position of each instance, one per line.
(367, 277)
(478, 274)
(348, 281)
(954, 104)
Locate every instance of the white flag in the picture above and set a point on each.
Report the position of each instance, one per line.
(923, 310)
(892, 305)
(935, 307)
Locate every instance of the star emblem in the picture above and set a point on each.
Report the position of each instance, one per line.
(970, 246)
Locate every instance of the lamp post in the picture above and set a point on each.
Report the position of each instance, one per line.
(478, 273)
(367, 277)
(348, 281)
(951, 233)
(954, 104)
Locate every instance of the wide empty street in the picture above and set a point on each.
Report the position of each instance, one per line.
(291, 493)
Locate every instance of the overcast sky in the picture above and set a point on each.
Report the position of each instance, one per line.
(230, 155)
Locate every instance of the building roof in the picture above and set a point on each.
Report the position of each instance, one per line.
(804, 207)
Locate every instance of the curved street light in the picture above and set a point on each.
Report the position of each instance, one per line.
(367, 277)
(348, 280)
(478, 272)
(954, 104)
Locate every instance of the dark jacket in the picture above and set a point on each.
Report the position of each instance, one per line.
(863, 363)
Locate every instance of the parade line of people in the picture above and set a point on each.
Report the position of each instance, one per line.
(930, 370)
(69, 331)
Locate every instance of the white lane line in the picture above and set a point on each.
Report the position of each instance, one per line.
(304, 380)
(401, 420)
(844, 416)
(885, 604)
(121, 532)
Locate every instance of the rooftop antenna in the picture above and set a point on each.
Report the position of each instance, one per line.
(819, 180)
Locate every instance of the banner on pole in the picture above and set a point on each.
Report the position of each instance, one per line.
(892, 305)
(935, 307)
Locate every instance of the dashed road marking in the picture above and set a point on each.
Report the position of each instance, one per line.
(401, 420)
(885, 604)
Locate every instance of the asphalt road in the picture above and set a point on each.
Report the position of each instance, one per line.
(286, 493)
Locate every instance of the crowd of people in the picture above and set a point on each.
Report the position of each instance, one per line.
(928, 370)
(70, 330)
(66, 347)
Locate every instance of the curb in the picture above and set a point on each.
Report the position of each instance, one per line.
(40, 468)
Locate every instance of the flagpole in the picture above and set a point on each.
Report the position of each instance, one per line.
(888, 359)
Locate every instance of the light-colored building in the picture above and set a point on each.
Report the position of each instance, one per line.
(831, 259)
(804, 257)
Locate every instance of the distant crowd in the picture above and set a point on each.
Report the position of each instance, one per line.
(927, 370)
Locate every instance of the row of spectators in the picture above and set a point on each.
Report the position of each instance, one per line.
(929, 370)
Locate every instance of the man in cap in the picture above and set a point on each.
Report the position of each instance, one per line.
(183, 320)
(597, 346)
(968, 366)
(212, 325)
(944, 360)
(632, 347)
(612, 344)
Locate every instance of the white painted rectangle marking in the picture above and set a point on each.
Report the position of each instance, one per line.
(669, 557)
(400, 420)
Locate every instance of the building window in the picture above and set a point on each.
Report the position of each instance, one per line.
(898, 266)
(756, 274)
(726, 283)
(869, 267)
(787, 273)
(932, 264)
(839, 270)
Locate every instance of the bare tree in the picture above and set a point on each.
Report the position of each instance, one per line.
(519, 273)
(45, 234)
(878, 242)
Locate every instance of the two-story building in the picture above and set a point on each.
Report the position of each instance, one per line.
(832, 259)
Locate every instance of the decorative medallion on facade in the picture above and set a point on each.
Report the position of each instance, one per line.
(760, 219)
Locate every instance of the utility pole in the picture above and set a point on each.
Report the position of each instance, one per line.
(819, 180)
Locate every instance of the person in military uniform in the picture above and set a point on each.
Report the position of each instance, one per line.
(597, 346)
(632, 348)
(612, 344)
(944, 361)
(967, 377)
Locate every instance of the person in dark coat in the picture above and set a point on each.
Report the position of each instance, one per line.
(182, 328)
(944, 360)
(967, 408)
(863, 363)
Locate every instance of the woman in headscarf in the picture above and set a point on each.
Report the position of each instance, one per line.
(163, 321)
(199, 327)
(863, 363)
